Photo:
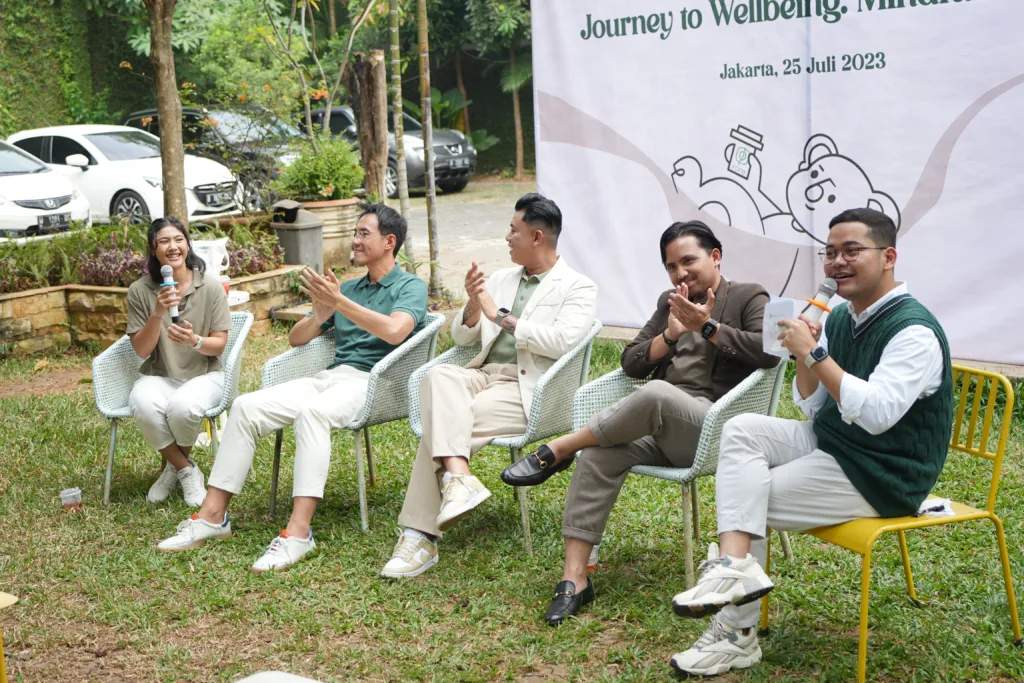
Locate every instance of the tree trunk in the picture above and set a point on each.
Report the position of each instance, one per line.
(367, 87)
(168, 104)
(428, 146)
(517, 116)
(462, 89)
(398, 112)
(333, 16)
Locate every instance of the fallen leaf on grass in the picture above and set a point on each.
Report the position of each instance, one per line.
(40, 365)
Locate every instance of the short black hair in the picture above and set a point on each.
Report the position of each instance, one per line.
(699, 229)
(538, 208)
(192, 260)
(389, 222)
(881, 228)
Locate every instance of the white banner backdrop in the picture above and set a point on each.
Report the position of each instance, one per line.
(765, 118)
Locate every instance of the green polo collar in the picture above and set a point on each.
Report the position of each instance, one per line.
(393, 276)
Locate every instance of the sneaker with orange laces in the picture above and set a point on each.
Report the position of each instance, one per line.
(194, 532)
(284, 551)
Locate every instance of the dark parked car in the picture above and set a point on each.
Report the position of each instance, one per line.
(252, 141)
(454, 161)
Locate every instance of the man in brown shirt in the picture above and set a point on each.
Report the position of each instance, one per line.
(703, 339)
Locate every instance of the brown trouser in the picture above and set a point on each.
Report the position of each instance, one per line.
(658, 424)
(462, 411)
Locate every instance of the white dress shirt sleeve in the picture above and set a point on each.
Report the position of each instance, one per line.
(910, 368)
(816, 401)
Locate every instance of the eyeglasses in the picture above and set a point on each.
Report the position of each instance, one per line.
(850, 254)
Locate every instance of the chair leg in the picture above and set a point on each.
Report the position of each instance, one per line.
(695, 508)
(906, 565)
(767, 568)
(865, 592)
(361, 480)
(1008, 580)
(214, 441)
(272, 508)
(688, 537)
(110, 462)
(3, 664)
(524, 508)
(787, 549)
(512, 458)
(369, 456)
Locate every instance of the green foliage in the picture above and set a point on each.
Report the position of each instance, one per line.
(482, 140)
(494, 26)
(333, 173)
(192, 21)
(445, 107)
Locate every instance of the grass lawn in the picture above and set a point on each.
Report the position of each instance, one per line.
(98, 603)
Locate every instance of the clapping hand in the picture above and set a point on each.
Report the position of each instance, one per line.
(690, 315)
(323, 290)
(476, 289)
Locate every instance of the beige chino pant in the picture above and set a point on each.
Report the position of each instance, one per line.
(659, 424)
(462, 411)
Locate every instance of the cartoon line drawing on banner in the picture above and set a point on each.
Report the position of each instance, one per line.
(824, 179)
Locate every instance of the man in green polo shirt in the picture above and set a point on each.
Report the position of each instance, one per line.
(371, 316)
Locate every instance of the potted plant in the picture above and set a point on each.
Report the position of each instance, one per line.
(323, 179)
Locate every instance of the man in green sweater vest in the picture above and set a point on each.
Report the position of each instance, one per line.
(877, 385)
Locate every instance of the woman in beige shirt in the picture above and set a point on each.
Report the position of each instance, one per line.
(181, 376)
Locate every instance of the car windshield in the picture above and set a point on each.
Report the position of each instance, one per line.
(15, 162)
(408, 122)
(239, 127)
(126, 145)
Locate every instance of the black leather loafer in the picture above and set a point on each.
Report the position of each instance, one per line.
(567, 602)
(535, 468)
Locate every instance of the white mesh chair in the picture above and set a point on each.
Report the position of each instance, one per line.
(758, 393)
(386, 395)
(550, 412)
(115, 371)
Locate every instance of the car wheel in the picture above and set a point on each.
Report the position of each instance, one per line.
(391, 180)
(130, 206)
(457, 186)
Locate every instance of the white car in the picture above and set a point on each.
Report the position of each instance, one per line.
(33, 198)
(119, 170)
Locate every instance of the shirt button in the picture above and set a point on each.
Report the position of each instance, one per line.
(522, 372)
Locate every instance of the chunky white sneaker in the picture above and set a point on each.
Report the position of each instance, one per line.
(164, 485)
(193, 485)
(459, 496)
(194, 532)
(723, 581)
(284, 551)
(720, 649)
(413, 555)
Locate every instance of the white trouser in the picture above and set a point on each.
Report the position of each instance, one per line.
(315, 405)
(772, 475)
(170, 411)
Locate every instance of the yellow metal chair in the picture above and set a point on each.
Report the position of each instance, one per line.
(5, 601)
(860, 535)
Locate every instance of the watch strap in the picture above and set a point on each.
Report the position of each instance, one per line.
(668, 340)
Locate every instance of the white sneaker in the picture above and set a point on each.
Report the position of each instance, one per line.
(193, 485)
(164, 485)
(284, 551)
(720, 649)
(460, 495)
(194, 532)
(723, 581)
(413, 555)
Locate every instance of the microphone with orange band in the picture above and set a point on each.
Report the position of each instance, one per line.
(819, 304)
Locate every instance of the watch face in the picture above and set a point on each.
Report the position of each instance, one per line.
(818, 353)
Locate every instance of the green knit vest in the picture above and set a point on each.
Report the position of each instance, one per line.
(895, 470)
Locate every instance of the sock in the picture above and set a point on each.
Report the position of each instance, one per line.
(416, 533)
(446, 478)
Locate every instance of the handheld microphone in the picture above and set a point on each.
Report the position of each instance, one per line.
(819, 304)
(168, 275)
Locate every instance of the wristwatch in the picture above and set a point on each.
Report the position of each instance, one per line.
(816, 355)
(665, 338)
(710, 329)
(199, 343)
(502, 312)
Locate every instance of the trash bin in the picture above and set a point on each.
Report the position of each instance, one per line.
(300, 233)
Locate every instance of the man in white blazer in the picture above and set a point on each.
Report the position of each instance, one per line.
(525, 319)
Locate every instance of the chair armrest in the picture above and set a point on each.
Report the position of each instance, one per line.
(604, 391)
(387, 395)
(114, 373)
(459, 355)
(300, 361)
(231, 360)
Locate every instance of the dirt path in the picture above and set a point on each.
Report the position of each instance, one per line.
(46, 381)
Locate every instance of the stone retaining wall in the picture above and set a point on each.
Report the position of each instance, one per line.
(40, 319)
